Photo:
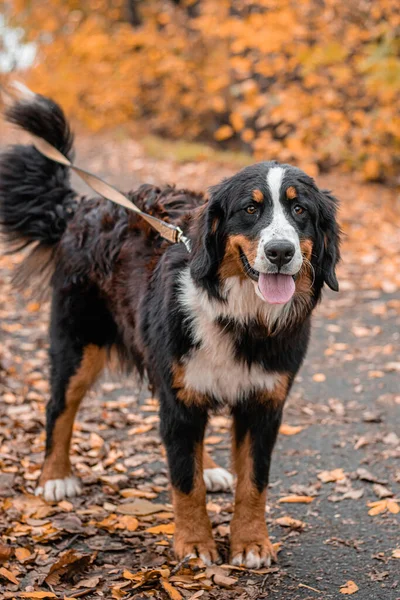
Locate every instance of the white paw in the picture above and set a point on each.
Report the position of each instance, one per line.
(218, 480)
(251, 560)
(55, 490)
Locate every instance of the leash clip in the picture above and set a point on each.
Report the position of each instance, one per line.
(183, 239)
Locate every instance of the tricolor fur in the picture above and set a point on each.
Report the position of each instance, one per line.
(227, 325)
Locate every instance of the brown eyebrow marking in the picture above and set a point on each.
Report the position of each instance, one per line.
(291, 193)
(258, 196)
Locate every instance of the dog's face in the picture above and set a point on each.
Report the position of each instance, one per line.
(271, 224)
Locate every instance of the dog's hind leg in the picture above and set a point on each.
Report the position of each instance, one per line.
(74, 372)
(81, 331)
(216, 478)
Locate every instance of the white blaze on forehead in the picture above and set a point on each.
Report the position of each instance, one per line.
(280, 227)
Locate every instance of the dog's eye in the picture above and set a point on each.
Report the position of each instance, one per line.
(299, 210)
(251, 209)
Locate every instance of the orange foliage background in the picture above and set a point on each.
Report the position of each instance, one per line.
(310, 82)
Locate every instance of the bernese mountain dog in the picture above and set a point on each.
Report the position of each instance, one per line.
(226, 325)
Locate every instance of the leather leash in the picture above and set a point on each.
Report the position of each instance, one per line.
(172, 233)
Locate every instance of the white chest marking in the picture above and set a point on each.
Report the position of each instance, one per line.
(213, 368)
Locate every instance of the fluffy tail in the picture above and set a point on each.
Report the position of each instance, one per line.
(36, 200)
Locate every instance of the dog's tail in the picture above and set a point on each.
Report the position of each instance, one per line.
(36, 200)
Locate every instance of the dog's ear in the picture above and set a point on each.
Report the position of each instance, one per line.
(208, 242)
(330, 252)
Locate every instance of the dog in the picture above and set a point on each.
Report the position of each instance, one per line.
(226, 325)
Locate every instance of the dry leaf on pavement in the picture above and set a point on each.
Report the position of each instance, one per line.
(349, 588)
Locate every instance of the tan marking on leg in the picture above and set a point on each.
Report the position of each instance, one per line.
(258, 196)
(193, 534)
(291, 193)
(57, 463)
(232, 265)
(184, 393)
(249, 533)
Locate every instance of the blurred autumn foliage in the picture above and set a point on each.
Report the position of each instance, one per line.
(306, 81)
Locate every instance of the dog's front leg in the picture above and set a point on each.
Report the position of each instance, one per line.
(182, 429)
(256, 424)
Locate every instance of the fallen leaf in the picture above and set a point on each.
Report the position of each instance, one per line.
(168, 529)
(140, 507)
(396, 553)
(393, 507)
(377, 507)
(140, 429)
(349, 588)
(381, 491)
(219, 577)
(68, 563)
(7, 574)
(90, 582)
(290, 522)
(33, 307)
(329, 476)
(213, 439)
(319, 377)
(286, 429)
(22, 554)
(134, 493)
(37, 595)
(171, 591)
(5, 552)
(296, 499)
(127, 522)
(367, 476)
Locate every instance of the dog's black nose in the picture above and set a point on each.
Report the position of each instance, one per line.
(279, 252)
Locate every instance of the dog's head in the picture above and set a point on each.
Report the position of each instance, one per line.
(272, 224)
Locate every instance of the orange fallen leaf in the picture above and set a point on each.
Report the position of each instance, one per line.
(140, 429)
(127, 522)
(22, 554)
(381, 506)
(396, 553)
(319, 377)
(349, 588)
(7, 574)
(296, 499)
(393, 507)
(33, 307)
(171, 591)
(329, 476)
(290, 522)
(133, 493)
(377, 507)
(213, 439)
(37, 595)
(286, 429)
(168, 529)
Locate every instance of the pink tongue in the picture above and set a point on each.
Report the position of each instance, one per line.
(276, 289)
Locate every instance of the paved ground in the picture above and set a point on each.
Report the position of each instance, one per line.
(344, 427)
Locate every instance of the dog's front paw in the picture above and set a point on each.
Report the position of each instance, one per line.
(54, 490)
(250, 545)
(205, 549)
(253, 555)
